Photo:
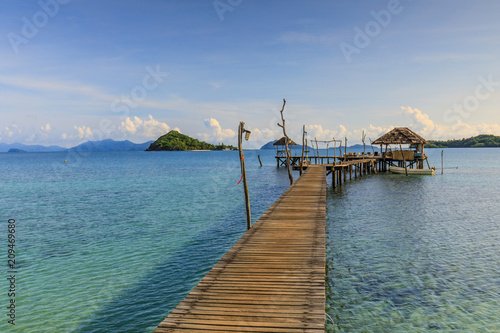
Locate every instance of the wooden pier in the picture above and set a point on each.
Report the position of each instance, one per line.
(273, 278)
(353, 168)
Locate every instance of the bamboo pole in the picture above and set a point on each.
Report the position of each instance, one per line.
(241, 130)
(288, 157)
(260, 161)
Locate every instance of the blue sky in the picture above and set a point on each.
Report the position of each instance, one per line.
(74, 70)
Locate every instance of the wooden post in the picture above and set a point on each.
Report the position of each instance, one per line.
(345, 147)
(374, 166)
(303, 148)
(241, 130)
(260, 161)
(317, 150)
(288, 157)
(363, 137)
(340, 151)
(404, 161)
(442, 163)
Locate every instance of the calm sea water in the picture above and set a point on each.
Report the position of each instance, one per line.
(418, 253)
(111, 242)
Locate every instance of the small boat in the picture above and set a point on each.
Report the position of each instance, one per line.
(402, 171)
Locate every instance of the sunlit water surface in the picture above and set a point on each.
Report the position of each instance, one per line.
(112, 242)
(417, 253)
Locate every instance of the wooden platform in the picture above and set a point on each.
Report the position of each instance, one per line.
(273, 278)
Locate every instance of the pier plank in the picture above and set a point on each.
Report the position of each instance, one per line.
(273, 278)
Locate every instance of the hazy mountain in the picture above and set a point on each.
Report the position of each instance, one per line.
(269, 145)
(104, 145)
(111, 145)
(4, 147)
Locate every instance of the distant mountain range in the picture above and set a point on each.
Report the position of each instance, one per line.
(269, 145)
(104, 145)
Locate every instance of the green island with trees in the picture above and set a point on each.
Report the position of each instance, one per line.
(483, 140)
(175, 141)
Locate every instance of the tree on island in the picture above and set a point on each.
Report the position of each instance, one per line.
(175, 141)
(483, 140)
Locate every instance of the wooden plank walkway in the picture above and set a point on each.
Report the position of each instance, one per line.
(273, 278)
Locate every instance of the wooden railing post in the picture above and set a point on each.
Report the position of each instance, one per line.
(241, 130)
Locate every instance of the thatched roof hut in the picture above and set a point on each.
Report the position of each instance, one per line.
(281, 142)
(400, 135)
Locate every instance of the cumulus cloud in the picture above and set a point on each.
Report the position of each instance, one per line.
(148, 128)
(426, 127)
(264, 134)
(46, 128)
(217, 132)
(84, 132)
(320, 133)
(10, 131)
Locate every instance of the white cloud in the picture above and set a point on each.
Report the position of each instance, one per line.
(84, 132)
(215, 85)
(46, 128)
(218, 133)
(426, 127)
(264, 134)
(53, 86)
(148, 128)
(11, 131)
(320, 133)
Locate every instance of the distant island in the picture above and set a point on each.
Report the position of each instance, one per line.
(95, 146)
(480, 141)
(175, 141)
(16, 150)
(270, 145)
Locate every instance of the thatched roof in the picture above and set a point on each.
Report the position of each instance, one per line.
(400, 135)
(281, 142)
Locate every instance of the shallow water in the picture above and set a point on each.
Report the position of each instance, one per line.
(417, 253)
(112, 242)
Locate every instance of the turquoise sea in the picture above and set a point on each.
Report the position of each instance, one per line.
(111, 242)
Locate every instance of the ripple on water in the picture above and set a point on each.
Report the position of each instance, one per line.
(414, 254)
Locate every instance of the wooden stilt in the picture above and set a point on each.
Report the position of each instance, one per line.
(241, 130)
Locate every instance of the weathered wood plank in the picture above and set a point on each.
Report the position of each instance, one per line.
(273, 278)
